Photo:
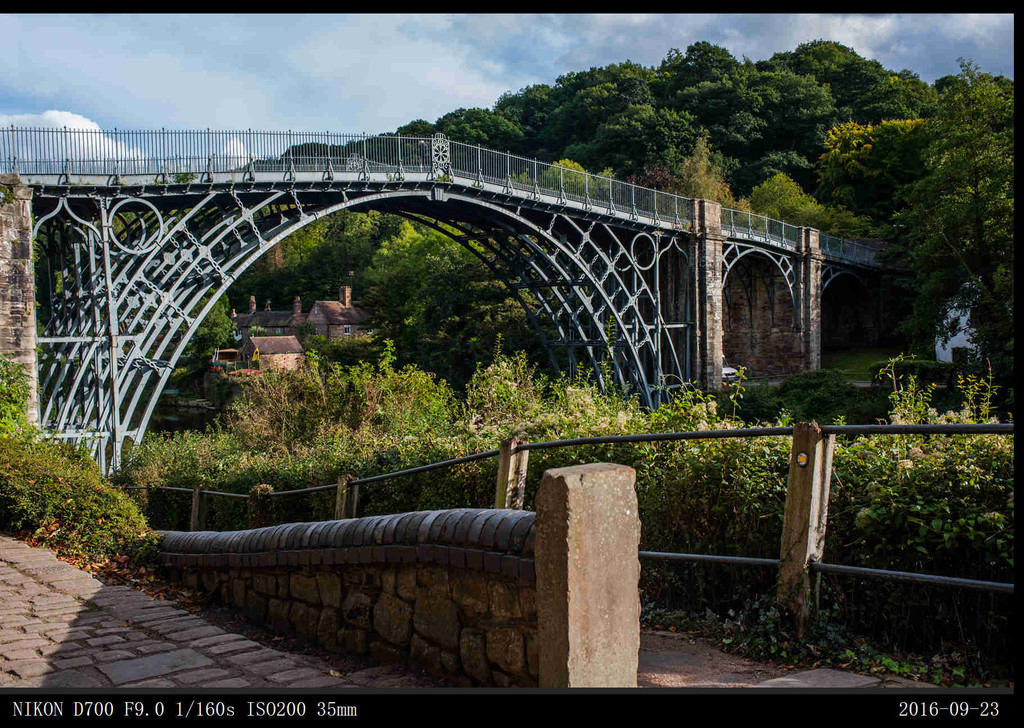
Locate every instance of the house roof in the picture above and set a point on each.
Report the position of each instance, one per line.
(336, 314)
(269, 319)
(276, 345)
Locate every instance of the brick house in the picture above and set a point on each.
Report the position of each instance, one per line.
(278, 323)
(337, 319)
(273, 352)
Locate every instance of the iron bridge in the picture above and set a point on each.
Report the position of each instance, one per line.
(143, 231)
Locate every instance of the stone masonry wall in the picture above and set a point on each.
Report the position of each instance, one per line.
(758, 330)
(452, 593)
(17, 282)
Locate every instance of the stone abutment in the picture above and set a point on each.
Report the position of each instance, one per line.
(17, 283)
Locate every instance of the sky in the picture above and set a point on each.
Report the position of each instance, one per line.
(373, 73)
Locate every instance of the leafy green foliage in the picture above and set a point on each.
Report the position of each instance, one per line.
(822, 395)
(782, 198)
(720, 496)
(934, 372)
(14, 392)
(56, 495)
(959, 224)
(867, 167)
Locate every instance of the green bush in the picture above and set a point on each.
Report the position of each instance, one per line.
(14, 391)
(55, 493)
(719, 496)
(934, 372)
(822, 396)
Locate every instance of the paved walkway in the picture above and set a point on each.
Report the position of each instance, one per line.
(60, 627)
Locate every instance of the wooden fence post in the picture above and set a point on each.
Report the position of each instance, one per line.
(346, 497)
(259, 505)
(510, 490)
(194, 521)
(803, 530)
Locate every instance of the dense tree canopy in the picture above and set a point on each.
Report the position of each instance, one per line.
(818, 136)
(958, 224)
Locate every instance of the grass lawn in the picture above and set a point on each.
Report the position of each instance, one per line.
(854, 363)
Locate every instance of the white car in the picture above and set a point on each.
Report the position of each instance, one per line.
(729, 374)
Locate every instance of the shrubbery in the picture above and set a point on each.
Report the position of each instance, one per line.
(934, 372)
(822, 395)
(55, 493)
(14, 393)
(940, 505)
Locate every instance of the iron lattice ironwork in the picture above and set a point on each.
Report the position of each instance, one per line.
(143, 231)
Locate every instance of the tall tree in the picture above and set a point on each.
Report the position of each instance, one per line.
(868, 167)
(960, 222)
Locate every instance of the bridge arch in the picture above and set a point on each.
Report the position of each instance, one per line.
(849, 317)
(761, 311)
(139, 227)
(152, 277)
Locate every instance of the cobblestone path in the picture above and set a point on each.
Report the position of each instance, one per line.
(60, 627)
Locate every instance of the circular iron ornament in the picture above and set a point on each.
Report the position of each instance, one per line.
(144, 243)
(440, 151)
(642, 254)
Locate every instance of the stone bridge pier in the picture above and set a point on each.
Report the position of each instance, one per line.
(17, 282)
(757, 306)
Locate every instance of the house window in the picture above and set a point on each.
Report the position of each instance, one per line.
(348, 330)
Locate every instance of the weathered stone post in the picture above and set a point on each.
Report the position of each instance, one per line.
(803, 528)
(810, 298)
(706, 254)
(17, 283)
(588, 571)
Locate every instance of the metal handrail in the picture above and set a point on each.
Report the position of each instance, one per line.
(951, 429)
(190, 156)
(911, 577)
(813, 566)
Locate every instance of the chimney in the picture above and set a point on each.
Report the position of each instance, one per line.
(252, 304)
(345, 296)
(296, 306)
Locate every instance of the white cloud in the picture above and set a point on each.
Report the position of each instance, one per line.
(51, 119)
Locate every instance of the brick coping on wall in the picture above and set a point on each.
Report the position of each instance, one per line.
(488, 540)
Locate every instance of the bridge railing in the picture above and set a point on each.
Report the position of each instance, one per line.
(190, 152)
(532, 177)
(847, 250)
(191, 155)
(749, 225)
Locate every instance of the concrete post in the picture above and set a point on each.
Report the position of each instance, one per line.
(588, 572)
(706, 254)
(17, 284)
